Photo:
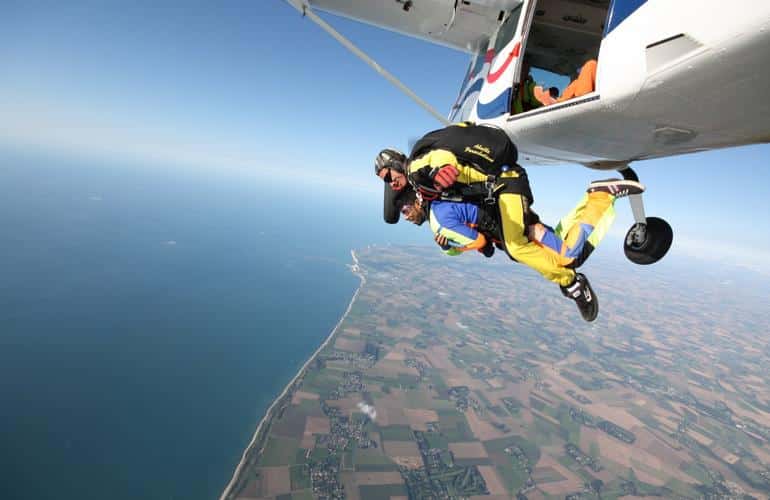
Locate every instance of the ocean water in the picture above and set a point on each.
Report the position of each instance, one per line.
(149, 315)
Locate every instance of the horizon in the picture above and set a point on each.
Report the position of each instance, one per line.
(138, 83)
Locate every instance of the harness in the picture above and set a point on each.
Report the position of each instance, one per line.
(488, 192)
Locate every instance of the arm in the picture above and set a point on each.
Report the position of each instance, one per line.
(420, 169)
(534, 103)
(453, 228)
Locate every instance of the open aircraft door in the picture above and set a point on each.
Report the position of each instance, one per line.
(503, 60)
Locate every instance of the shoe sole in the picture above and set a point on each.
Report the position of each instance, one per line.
(620, 185)
(594, 312)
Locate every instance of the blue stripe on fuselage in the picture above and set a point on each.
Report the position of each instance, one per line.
(495, 107)
(619, 11)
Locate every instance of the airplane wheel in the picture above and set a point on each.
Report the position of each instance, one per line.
(648, 243)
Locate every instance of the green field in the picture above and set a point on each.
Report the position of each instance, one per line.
(513, 479)
(321, 382)
(454, 426)
(570, 430)
(697, 471)
(436, 440)
(279, 451)
(396, 433)
(420, 399)
(300, 477)
(319, 454)
(372, 460)
(382, 492)
(546, 475)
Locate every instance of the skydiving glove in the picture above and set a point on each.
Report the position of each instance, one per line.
(445, 177)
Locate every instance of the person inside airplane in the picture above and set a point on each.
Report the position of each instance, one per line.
(585, 82)
(546, 96)
(525, 99)
(463, 161)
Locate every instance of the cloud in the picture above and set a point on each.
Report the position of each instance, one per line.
(726, 251)
(368, 410)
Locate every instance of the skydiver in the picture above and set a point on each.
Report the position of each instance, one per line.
(459, 227)
(460, 159)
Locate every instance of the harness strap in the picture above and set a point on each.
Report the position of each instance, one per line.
(515, 185)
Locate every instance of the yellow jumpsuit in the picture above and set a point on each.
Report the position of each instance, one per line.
(589, 220)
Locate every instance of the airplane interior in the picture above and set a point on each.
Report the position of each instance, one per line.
(564, 35)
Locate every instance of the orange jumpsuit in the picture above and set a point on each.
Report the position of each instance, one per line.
(585, 82)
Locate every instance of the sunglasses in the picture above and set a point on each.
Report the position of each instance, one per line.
(391, 175)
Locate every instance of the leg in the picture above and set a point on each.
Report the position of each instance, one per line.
(584, 84)
(519, 248)
(578, 233)
(585, 227)
(515, 217)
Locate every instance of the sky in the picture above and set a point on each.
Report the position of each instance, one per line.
(251, 88)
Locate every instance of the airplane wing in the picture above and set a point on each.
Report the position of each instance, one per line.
(458, 24)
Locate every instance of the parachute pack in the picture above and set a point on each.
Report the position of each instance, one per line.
(484, 147)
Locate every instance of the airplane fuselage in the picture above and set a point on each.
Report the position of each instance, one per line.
(672, 78)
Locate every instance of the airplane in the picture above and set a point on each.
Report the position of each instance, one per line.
(671, 77)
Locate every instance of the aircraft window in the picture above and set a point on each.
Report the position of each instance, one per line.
(507, 29)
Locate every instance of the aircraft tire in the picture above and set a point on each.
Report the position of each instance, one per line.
(653, 247)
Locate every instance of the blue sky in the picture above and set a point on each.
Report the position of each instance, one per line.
(252, 87)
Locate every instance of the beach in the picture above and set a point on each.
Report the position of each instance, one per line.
(287, 391)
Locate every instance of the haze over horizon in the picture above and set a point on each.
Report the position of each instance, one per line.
(258, 88)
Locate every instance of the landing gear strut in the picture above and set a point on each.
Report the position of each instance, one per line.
(649, 238)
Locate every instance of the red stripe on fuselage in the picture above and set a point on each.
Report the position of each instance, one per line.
(492, 77)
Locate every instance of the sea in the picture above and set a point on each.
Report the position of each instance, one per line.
(149, 314)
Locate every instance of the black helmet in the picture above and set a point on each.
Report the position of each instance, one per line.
(390, 158)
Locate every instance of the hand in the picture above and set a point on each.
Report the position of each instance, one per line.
(442, 241)
(445, 177)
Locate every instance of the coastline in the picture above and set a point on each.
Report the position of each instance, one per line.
(289, 389)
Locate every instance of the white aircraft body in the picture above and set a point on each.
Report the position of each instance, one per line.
(672, 76)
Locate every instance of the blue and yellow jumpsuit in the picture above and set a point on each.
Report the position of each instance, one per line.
(558, 252)
(457, 222)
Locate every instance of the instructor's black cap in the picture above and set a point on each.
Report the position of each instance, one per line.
(389, 158)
